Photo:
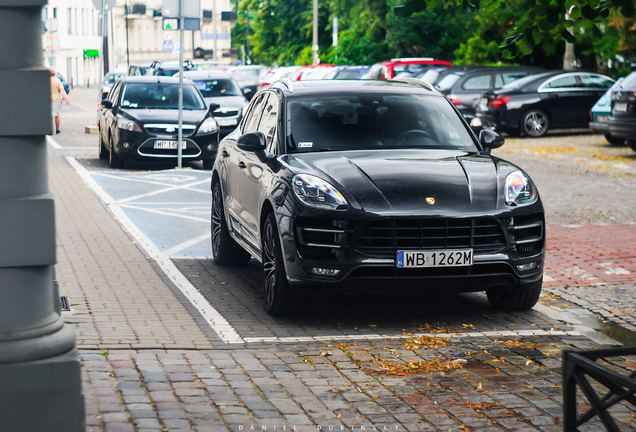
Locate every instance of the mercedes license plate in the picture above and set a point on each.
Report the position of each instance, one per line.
(161, 144)
(435, 258)
(226, 122)
(620, 106)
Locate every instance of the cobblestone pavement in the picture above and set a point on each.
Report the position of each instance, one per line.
(437, 363)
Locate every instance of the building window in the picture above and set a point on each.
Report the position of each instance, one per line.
(69, 20)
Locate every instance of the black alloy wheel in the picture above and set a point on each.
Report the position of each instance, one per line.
(114, 161)
(225, 250)
(516, 300)
(535, 123)
(279, 300)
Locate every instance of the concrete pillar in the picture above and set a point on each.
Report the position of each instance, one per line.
(40, 375)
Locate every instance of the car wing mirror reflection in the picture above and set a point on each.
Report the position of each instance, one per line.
(490, 139)
(105, 103)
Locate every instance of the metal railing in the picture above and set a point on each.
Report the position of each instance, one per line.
(579, 367)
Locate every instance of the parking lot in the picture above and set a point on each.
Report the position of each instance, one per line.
(586, 186)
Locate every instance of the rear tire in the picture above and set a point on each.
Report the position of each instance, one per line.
(535, 123)
(225, 250)
(516, 300)
(279, 299)
(614, 140)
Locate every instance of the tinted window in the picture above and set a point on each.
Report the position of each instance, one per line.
(254, 116)
(160, 96)
(218, 87)
(269, 119)
(563, 83)
(481, 82)
(509, 77)
(357, 122)
(596, 82)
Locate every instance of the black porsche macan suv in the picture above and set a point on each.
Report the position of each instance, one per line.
(373, 186)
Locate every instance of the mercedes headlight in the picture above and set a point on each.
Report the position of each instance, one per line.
(208, 126)
(316, 192)
(126, 124)
(519, 189)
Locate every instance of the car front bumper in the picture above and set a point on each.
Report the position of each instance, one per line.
(623, 128)
(364, 265)
(140, 146)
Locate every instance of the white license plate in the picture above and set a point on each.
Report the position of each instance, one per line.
(620, 106)
(435, 258)
(602, 119)
(226, 122)
(160, 144)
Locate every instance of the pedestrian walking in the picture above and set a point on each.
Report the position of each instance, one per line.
(58, 95)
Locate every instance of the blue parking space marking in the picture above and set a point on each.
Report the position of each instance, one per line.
(172, 207)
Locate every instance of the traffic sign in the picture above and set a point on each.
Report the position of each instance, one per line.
(106, 4)
(167, 45)
(170, 23)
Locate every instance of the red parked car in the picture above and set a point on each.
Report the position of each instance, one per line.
(390, 68)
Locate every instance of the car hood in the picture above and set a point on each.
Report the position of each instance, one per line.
(236, 102)
(407, 181)
(165, 116)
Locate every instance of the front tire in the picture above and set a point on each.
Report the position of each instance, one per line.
(614, 140)
(114, 161)
(516, 300)
(103, 151)
(279, 300)
(535, 123)
(225, 250)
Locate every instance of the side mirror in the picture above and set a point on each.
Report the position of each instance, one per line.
(490, 140)
(106, 104)
(252, 141)
(247, 91)
(214, 107)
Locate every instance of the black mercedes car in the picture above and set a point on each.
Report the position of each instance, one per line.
(140, 120)
(537, 103)
(354, 186)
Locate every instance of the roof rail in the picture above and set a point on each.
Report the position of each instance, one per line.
(287, 83)
(412, 59)
(417, 83)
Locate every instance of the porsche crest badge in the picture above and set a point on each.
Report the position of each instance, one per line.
(430, 200)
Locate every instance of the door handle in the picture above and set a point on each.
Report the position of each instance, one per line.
(224, 153)
(242, 165)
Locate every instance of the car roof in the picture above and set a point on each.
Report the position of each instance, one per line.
(206, 74)
(304, 88)
(160, 79)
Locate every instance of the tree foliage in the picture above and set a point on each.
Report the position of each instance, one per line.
(542, 21)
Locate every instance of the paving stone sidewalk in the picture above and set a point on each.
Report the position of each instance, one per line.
(152, 365)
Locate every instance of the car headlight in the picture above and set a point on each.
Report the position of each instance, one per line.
(316, 192)
(208, 126)
(519, 189)
(126, 124)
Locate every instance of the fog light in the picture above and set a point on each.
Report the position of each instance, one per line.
(210, 147)
(323, 271)
(528, 266)
(126, 145)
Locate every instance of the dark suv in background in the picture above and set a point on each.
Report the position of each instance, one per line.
(622, 120)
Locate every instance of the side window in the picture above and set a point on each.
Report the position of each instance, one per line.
(254, 115)
(481, 82)
(567, 82)
(509, 77)
(596, 82)
(114, 93)
(269, 120)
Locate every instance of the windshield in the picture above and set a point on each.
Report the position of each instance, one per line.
(160, 96)
(111, 78)
(362, 122)
(448, 81)
(218, 87)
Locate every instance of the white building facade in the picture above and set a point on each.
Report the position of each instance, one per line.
(72, 34)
